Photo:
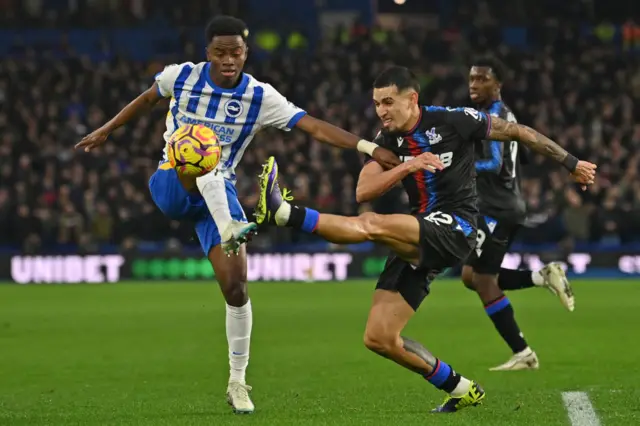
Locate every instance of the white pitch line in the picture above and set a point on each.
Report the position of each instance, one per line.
(580, 409)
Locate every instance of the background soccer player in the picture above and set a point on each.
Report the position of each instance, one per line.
(236, 106)
(438, 234)
(502, 212)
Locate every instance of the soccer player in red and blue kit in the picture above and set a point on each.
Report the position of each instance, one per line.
(502, 212)
(439, 233)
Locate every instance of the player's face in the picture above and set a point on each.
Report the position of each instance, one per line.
(395, 108)
(227, 55)
(483, 86)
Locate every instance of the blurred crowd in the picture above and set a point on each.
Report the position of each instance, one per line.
(582, 93)
(110, 13)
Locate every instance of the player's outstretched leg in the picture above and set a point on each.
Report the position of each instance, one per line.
(499, 309)
(551, 277)
(390, 311)
(388, 316)
(234, 233)
(399, 232)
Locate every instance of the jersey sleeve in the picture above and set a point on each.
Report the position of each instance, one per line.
(278, 112)
(493, 151)
(470, 123)
(166, 79)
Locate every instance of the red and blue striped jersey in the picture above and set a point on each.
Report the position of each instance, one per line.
(451, 134)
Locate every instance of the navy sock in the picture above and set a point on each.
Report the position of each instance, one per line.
(303, 218)
(443, 377)
(510, 279)
(501, 313)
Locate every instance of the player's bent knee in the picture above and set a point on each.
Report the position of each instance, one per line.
(380, 342)
(374, 343)
(484, 281)
(486, 286)
(467, 277)
(370, 223)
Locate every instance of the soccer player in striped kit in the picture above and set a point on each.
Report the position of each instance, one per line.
(218, 94)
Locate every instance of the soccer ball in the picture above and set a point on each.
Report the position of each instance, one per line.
(193, 150)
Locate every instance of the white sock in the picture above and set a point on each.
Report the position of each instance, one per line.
(283, 213)
(537, 278)
(239, 322)
(526, 351)
(462, 388)
(213, 190)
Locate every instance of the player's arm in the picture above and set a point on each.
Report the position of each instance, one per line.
(474, 125)
(374, 181)
(333, 135)
(161, 88)
(503, 130)
(492, 158)
(142, 104)
(278, 112)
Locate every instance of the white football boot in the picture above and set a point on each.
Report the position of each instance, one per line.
(236, 234)
(556, 281)
(525, 360)
(238, 398)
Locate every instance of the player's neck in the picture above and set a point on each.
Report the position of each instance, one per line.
(487, 104)
(414, 119)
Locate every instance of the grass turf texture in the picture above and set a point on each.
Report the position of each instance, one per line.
(144, 354)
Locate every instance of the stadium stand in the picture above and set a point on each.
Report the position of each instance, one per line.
(581, 90)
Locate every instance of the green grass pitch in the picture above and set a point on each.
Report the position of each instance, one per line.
(155, 354)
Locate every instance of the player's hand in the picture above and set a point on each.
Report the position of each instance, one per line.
(385, 158)
(585, 173)
(426, 161)
(93, 140)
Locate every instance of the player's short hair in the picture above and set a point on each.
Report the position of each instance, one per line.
(398, 76)
(224, 25)
(497, 67)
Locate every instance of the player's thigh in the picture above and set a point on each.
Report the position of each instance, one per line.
(408, 252)
(388, 316)
(408, 281)
(188, 182)
(392, 228)
(170, 196)
(493, 241)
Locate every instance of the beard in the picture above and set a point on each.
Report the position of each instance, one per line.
(391, 133)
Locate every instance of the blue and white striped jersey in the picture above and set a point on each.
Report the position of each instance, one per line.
(235, 115)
